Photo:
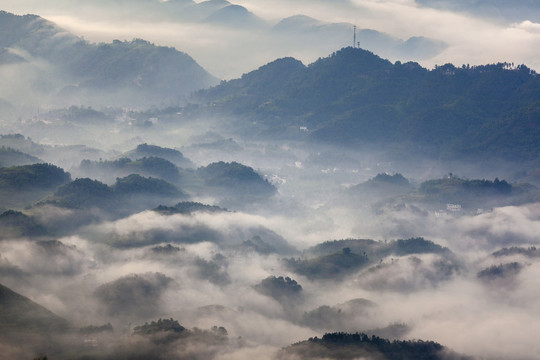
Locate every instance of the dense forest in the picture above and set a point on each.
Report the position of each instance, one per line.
(353, 346)
(355, 97)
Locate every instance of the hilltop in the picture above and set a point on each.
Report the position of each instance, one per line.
(354, 97)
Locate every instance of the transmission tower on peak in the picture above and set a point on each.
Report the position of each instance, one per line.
(354, 37)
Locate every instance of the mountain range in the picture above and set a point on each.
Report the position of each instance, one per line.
(65, 69)
(350, 97)
(44, 63)
(294, 31)
(355, 97)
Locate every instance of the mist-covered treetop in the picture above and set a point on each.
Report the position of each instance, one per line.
(136, 185)
(12, 157)
(396, 179)
(416, 245)
(86, 192)
(148, 166)
(16, 224)
(148, 150)
(237, 176)
(531, 252)
(342, 345)
(338, 258)
(157, 326)
(383, 184)
(455, 184)
(189, 207)
(33, 176)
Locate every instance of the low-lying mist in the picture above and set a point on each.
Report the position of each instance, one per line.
(267, 269)
(140, 220)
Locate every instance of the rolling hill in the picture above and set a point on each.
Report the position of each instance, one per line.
(359, 345)
(11, 157)
(146, 150)
(353, 97)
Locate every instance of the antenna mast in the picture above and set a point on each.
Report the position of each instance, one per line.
(354, 38)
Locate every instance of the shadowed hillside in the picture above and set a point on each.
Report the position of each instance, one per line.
(20, 314)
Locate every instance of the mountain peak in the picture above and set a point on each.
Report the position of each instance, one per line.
(236, 16)
(296, 22)
(355, 58)
(356, 97)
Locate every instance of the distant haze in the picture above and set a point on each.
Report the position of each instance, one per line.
(474, 36)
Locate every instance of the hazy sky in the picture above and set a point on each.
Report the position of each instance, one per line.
(228, 53)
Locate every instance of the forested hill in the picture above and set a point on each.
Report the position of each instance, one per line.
(360, 346)
(133, 72)
(355, 97)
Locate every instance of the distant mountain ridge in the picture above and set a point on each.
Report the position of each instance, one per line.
(235, 16)
(354, 97)
(301, 28)
(132, 73)
(142, 74)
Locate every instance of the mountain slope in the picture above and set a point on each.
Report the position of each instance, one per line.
(120, 73)
(172, 155)
(11, 157)
(18, 313)
(234, 178)
(355, 97)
